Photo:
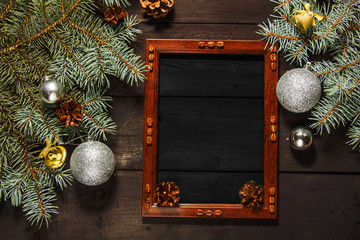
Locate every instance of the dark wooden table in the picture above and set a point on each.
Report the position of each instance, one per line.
(319, 189)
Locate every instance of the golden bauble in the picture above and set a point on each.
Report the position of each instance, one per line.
(56, 157)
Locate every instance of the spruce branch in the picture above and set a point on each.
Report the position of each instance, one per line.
(338, 33)
(67, 41)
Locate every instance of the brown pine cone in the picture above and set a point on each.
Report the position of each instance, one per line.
(251, 194)
(69, 113)
(156, 8)
(114, 14)
(167, 194)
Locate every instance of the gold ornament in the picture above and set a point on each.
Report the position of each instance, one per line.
(156, 8)
(54, 155)
(305, 18)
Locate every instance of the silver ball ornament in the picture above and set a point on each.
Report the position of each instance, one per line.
(92, 163)
(301, 138)
(51, 91)
(298, 90)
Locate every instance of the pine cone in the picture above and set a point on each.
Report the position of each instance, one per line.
(251, 194)
(69, 113)
(114, 14)
(156, 8)
(167, 194)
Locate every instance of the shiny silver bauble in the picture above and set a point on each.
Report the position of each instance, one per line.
(51, 91)
(301, 138)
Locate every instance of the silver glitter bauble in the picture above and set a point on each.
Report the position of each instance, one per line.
(92, 163)
(51, 91)
(298, 90)
(301, 138)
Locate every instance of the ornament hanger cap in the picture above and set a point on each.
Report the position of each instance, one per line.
(307, 66)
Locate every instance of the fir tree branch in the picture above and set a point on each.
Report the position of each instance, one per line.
(288, 20)
(84, 104)
(30, 95)
(31, 63)
(23, 26)
(123, 60)
(284, 3)
(44, 31)
(99, 59)
(329, 113)
(297, 53)
(281, 36)
(42, 211)
(92, 119)
(27, 157)
(6, 9)
(18, 137)
(339, 19)
(340, 68)
(69, 52)
(43, 12)
(86, 32)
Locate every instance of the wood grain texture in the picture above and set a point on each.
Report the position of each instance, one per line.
(329, 153)
(211, 134)
(211, 75)
(311, 206)
(202, 11)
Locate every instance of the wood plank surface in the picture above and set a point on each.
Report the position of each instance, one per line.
(203, 11)
(211, 75)
(329, 153)
(311, 206)
(209, 134)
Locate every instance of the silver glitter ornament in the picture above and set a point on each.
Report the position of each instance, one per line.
(301, 138)
(92, 163)
(51, 91)
(298, 90)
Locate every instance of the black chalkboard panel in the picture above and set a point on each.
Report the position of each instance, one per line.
(211, 75)
(210, 134)
(210, 124)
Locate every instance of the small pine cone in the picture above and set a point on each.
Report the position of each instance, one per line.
(167, 194)
(69, 113)
(156, 8)
(251, 194)
(114, 14)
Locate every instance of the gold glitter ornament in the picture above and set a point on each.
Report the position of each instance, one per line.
(54, 155)
(305, 19)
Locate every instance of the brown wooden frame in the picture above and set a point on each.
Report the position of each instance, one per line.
(154, 47)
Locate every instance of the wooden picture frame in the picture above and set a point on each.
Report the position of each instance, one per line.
(154, 49)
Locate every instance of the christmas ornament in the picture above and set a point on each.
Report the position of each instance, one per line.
(305, 18)
(115, 14)
(54, 155)
(301, 138)
(156, 8)
(69, 113)
(251, 194)
(167, 194)
(298, 90)
(92, 163)
(51, 91)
